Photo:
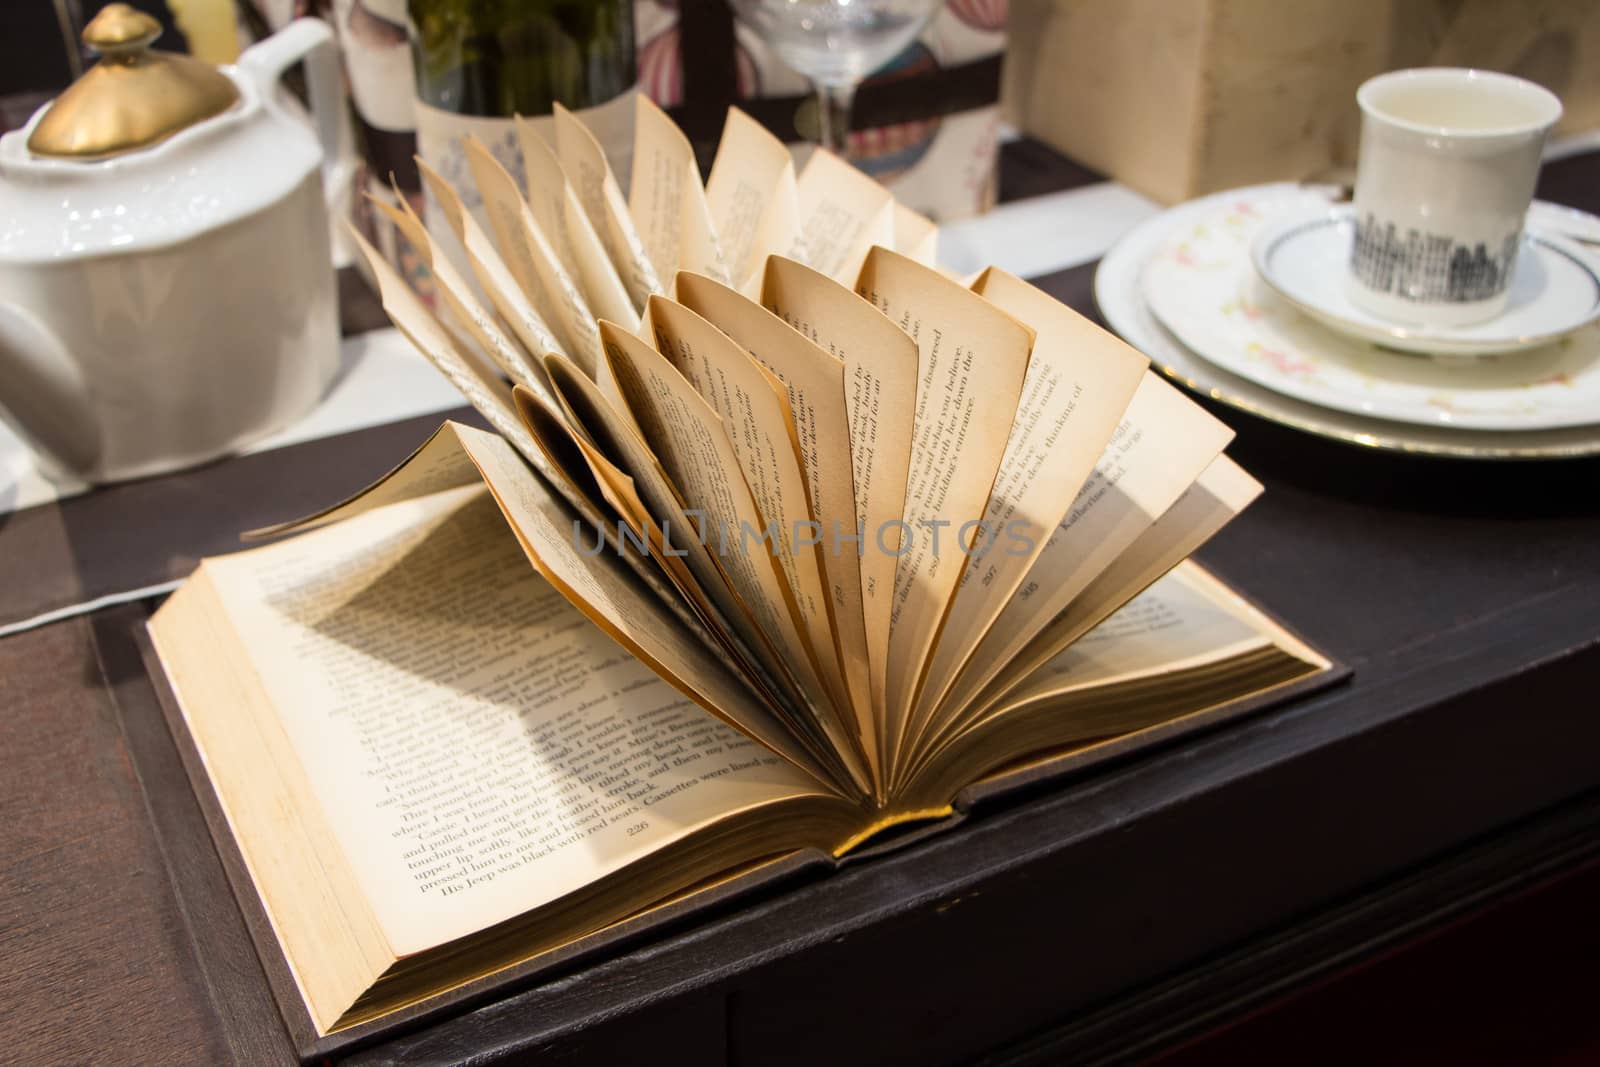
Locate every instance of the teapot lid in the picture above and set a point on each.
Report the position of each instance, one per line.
(134, 97)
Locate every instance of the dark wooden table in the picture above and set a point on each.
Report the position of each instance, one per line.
(1104, 920)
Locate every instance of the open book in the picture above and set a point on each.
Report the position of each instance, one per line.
(783, 538)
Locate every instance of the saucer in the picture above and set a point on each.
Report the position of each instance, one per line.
(1119, 293)
(1200, 285)
(1555, 287)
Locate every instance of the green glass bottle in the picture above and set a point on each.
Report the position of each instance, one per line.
(477, 63)
(496, 58)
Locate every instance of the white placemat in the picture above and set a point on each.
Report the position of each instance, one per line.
(1047, 233)
(381, 379)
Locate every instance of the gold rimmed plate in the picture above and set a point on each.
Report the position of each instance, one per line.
(1121, 299)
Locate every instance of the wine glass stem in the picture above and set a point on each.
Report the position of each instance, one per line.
(833, 116)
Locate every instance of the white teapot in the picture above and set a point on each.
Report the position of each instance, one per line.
(166, 287)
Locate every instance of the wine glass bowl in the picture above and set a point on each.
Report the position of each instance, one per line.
(836, 43)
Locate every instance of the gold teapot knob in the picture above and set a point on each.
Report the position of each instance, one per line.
(121, 30)
(134, 97)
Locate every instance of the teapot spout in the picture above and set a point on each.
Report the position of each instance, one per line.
(43, 395)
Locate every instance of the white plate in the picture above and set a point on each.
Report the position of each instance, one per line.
(1302, 254)
(1118, 293)
(1202, 286)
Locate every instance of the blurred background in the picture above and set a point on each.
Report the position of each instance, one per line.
(1174, 100)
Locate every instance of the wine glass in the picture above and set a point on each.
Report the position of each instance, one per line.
(836, 43)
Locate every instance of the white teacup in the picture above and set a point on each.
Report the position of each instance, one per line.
(1448, 162)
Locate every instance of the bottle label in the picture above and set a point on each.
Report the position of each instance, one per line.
(442, 135)
(441, 142)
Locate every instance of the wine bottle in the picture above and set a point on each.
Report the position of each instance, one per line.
(497, 58)
(477, 63)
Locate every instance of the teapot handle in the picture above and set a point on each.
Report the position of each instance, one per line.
(43, 395)
(312, 40)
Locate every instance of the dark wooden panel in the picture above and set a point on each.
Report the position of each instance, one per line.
(1510, 983)
(219, 949)
(1029, 168)
(94, 950)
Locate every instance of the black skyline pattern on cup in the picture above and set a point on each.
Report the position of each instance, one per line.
(1428, 268)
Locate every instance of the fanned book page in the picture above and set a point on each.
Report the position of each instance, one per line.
(780, 538)
(752, 196)
(668, 201)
